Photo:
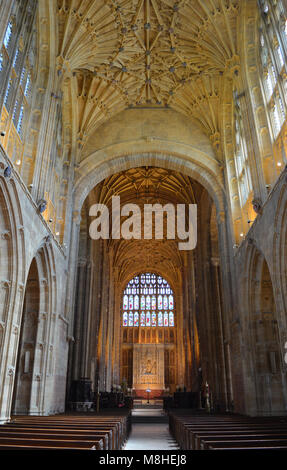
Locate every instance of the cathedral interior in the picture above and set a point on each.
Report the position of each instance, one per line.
(178, 102)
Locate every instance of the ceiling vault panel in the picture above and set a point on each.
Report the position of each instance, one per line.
(157, 53)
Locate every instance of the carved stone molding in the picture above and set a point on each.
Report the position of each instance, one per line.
(16, 329)
(6, 235)
(11, 371)
(6, 284)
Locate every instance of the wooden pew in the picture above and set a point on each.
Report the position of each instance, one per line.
(118, 427)
(258, 444)
(47, 443)
(189, 431)
(108, 432)
(55, 434)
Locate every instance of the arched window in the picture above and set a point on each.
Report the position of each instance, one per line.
(17, 75)
(155, 298)
(273, 54)
(241, 156)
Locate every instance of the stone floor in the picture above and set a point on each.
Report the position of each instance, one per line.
(150, 431)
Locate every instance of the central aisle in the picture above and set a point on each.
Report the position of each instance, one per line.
(150, 431)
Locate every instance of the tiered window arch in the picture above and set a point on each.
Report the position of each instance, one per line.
(148, 301)
(17, 74)
(273, 54)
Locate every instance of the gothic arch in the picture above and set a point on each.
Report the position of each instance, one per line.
(94, 174)
(280, 251)
(12, 278)
(262, 340)
(38, 323)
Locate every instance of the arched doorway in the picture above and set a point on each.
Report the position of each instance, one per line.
(27, 345)
(148, 336)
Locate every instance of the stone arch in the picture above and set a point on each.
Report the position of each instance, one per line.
(261, 326)
(27, 343)
(12, 278)
(94, 173)
(38, 322)
(280, 251)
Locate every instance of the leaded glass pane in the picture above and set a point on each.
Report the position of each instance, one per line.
(147, 319)
(165, 303)
(131, 319)
(125, 302)
(165, 319)
(142, 319)
(147, 302)
(142, 302)
(136, 319)
(131, 302)
(136, 302)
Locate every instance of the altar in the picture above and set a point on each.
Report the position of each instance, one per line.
(148, 370)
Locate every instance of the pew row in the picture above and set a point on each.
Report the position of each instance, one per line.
(67, 432)
(213, 432)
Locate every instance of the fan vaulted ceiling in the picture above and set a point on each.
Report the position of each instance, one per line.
(155, 53)
(145, 185)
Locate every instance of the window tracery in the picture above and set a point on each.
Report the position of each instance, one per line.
(241, 157)
(273, 50)
(18, 56)
(148, 301)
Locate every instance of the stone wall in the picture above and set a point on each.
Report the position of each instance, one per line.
(24, 237)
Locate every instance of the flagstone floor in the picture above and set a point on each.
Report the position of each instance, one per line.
(149, 434)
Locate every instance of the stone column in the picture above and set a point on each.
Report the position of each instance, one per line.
(116, 330)
(216, 270)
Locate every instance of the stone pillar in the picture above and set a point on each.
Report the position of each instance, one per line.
(221, 341)
(116, 330)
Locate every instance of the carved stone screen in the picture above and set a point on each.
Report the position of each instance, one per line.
(148, 366)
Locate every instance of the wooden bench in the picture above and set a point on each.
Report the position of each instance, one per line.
(198, 432)
(46, 443)
(118, 427)
(70, 432)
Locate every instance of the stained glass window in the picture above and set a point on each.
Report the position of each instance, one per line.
(165, 321)
(136, 319)
(125, 302)
(136, 302)
(153, 319)
(165, 303)
(131, 302)
(147, 318)
(142, 319)
(147, 302)
(153, 296)
(131, 319)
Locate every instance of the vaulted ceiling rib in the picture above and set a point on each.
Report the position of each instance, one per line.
(158, 53)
